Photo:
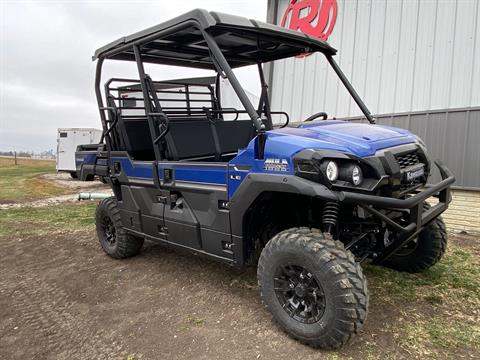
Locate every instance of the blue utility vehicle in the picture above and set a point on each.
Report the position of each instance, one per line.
(305, 203)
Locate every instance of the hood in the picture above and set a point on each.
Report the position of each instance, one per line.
(355, 138)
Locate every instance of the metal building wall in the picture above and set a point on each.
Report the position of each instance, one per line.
(402, 56)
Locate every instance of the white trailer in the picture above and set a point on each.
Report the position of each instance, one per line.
(67, 141)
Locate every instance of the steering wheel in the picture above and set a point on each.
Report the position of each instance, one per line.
(314, 116)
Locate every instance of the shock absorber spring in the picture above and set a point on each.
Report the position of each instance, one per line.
(330, 216)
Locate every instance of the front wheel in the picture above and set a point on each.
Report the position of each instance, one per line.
(115, 241)
(313, 287)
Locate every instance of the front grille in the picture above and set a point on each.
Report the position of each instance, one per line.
(407, 159)
(405, 187)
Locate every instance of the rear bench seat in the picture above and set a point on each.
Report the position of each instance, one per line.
(191, 139)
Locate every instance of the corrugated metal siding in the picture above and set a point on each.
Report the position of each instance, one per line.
(405, 58)
(401, 56)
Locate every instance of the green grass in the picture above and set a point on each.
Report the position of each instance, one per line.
(439, 308)
(444, 334)
(458, 272)
(438, 335)
(21, 182)
(196, 321)
(46, 220)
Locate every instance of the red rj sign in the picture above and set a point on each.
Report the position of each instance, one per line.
(312, 17)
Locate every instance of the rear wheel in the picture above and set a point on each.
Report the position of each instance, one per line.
(313, 287)
(424, 251)
(115, 241)
(74, 175)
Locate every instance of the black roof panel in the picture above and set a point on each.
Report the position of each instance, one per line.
(179, 41)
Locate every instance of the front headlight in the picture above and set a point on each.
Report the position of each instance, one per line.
(351, 173)
(331, 171)
(338, 172)
(357, 175)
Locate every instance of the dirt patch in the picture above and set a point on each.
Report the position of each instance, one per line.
(61, 297)
(41, 203)
(64, 181)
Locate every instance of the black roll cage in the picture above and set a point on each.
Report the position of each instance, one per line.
(123, 49)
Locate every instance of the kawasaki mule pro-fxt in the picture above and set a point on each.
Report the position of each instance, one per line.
(307, 203)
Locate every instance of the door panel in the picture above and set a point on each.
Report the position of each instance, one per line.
(139, 195)
(200, 188)
(188, 210)
(181, 225)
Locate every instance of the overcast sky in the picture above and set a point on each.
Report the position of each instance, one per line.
(46, 72)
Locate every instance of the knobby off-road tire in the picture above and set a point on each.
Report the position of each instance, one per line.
(334, 282)
(423, 253)
(115, 241)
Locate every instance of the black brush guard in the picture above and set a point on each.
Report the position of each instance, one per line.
(418, 218)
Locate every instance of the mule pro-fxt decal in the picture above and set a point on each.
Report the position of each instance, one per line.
(272, 164)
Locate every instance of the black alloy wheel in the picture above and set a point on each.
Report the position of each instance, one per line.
(108, 231)
(113, 237)
(299, 293)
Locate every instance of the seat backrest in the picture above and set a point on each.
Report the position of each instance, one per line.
(139, 142)
(234, 135)
(191, 139)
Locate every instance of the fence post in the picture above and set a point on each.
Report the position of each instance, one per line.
(15, 153)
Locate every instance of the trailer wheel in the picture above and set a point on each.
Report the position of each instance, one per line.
(73, 175)
(423, 252)
(115, 241)
(313, 287)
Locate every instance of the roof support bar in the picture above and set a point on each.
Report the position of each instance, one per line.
(147, 101)
(98, 93)
(222, 62)
(350, 89)
(264, 103)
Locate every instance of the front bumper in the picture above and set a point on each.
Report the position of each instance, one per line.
(418, 217)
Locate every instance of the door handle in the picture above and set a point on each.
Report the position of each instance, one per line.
(167, 175)
(162, 199)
